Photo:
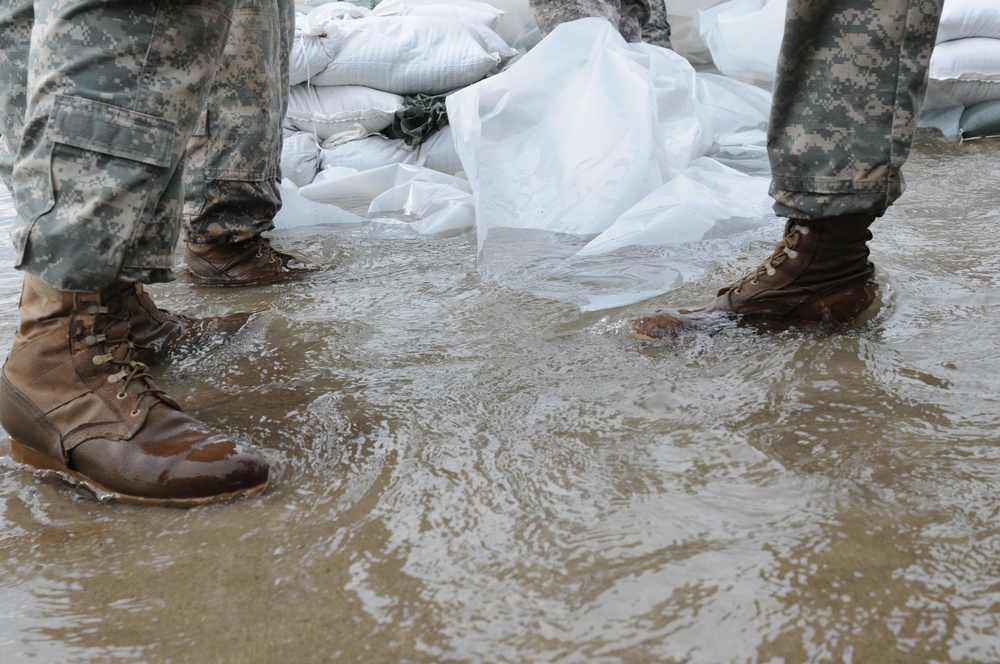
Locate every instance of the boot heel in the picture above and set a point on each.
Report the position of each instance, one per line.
(31, 457)
(45, 466)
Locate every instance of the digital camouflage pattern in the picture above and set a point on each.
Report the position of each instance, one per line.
(629, 15)
(851, 79)
(113, 96)
(15, 34)
(233, 167)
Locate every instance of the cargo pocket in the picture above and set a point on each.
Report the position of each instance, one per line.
(107, 167)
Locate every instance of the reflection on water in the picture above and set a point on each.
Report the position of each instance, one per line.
(464, 471)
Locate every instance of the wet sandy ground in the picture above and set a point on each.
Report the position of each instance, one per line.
(465, 472)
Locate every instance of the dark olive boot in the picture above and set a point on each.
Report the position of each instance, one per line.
(246, 263)
(819, 274)
(77, 406)
(158, 334)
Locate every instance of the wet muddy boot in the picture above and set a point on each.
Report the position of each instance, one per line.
(77, 406)
(159, 334)
(819, 274)
(246, 263)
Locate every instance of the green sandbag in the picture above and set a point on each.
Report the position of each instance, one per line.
(980, 120)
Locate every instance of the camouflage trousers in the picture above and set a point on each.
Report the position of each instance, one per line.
(96, 124)
(629, 16)
(233, 167)
(850, 81)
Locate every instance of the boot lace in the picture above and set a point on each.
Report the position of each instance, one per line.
(116, 350)
(782, 252)
(264, 247)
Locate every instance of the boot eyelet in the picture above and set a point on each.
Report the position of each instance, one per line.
(134, 413)
(738, 291)
(259, 254)
(121, 395)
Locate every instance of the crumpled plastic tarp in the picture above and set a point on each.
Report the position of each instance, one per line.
(611, 146)
(595, 171)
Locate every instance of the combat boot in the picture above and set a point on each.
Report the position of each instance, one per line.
(158, 334)
(76, 405)
(246, 263)
(819, 274)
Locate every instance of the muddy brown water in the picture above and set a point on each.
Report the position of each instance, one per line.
(463, 471)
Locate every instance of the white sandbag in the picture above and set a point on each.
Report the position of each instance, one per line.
(961, 19)
(437, 153)
(300, 158)
(307, 57)
(744, 37)
(406, 55)
(459, 10)
(976, 58)
(340, 113)
(967, 70)
(317, 20)
(577, 131)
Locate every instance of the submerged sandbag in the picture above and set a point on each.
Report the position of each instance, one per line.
(980, 121)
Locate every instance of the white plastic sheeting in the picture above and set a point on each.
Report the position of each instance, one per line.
(584, 152)
(577, 131)
(744, 37)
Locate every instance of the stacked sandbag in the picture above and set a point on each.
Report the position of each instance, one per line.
(965, 65)
(354, 68)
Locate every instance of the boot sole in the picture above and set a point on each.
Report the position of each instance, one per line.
(43, 465)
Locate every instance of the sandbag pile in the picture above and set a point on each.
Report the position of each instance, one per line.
(353, 69)
(965, 65)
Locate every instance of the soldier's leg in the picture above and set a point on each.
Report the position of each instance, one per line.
(16, 17)
(628, 16)
(157, 333)
(113, 91)
(851, 78)
(233, 161)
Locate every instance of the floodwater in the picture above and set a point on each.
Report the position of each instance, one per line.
(466, 472)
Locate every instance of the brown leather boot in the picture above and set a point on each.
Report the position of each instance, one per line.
(818, 274)
(246, 263)
(158, 334)
(76, 405)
